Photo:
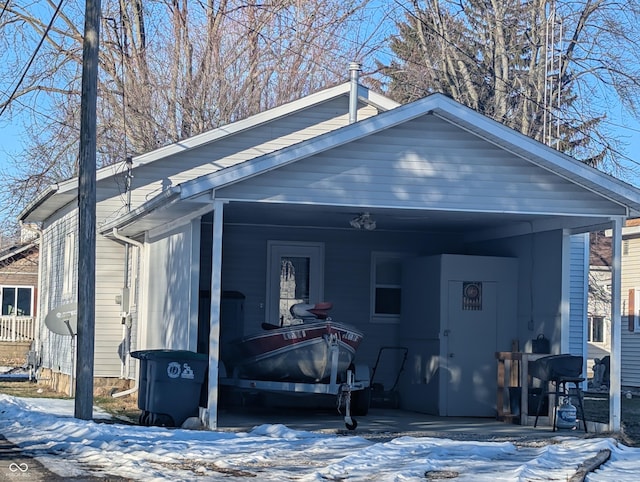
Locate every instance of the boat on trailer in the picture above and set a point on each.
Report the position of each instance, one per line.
(314, 355)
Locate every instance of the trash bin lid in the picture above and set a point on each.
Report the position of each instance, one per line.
(165, 353)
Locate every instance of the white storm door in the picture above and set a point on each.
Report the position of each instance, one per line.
(295, 274)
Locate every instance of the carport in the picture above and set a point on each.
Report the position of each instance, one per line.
(439, 180)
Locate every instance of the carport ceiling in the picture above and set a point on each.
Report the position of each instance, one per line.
(338, 217)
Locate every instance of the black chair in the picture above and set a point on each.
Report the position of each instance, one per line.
(559, 370)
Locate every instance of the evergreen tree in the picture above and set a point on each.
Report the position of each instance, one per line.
(521, 63)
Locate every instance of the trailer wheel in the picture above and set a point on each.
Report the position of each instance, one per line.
(353, 425)
(360, 401)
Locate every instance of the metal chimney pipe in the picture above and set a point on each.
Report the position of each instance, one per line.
(354, 74)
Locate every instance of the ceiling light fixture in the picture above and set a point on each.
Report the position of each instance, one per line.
(363, 221)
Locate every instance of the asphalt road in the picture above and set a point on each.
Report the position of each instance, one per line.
(15, 466)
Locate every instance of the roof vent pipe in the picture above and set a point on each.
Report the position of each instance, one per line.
(354, 74)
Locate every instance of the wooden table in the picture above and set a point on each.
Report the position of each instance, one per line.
(513, 372)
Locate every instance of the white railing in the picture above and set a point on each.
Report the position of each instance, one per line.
(17, 328)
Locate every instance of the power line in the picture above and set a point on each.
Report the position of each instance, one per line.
(33, 56)
(4, 8)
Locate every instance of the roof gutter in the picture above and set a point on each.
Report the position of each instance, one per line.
(158, 202)
(124, 239)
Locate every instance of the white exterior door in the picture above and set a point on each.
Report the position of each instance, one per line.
(470, 338)
(295, 275)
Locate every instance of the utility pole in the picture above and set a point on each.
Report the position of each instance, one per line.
(87, 214)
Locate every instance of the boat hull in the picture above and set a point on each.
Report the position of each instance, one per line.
(298, 353)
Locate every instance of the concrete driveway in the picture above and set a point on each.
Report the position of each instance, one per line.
(385, 424)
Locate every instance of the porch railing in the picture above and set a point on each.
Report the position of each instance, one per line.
(17, 328)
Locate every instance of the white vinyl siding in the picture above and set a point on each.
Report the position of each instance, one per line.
(630, 278)
(443, 167)
(169, 305)
(61, 261)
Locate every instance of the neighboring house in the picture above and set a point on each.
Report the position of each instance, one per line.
(18, 295)
(630, 293)
(599, 314)
(475, 229)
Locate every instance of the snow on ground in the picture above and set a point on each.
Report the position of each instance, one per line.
(45, 428)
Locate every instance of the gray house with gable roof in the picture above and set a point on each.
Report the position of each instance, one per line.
(457, 199)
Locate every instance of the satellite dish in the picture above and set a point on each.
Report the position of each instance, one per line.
(63, 320)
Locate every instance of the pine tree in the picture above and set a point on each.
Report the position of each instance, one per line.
(514, 61)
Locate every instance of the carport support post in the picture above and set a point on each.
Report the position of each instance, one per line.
(616, 326)
(214, 335)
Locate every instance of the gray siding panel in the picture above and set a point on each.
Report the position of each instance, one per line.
(578, 292)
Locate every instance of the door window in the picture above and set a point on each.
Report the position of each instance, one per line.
(295, 275)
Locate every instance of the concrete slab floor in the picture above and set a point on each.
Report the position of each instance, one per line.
(386, 424)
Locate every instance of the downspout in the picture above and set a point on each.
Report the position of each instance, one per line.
(127, 242)
(35, 347)
(354, 74)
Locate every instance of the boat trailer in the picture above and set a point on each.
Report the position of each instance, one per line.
(354, 393)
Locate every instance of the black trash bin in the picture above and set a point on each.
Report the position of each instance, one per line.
(169, 385)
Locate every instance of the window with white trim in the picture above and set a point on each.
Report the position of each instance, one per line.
(69, 255)
(16, 300)
(386, 286)
(595, 329)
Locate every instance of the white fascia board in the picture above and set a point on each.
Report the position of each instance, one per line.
(510, 137)
(304, 149)
(33, 205)
(379, 101)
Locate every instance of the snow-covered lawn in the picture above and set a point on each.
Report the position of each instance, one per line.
(45, 428)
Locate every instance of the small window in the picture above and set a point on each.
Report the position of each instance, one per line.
(69, 254)
(386, 286)
(17, 300)
(595, 329)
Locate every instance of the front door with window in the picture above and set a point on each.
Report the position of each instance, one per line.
(294, 275)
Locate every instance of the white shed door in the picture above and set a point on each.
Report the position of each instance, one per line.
(470, 338)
